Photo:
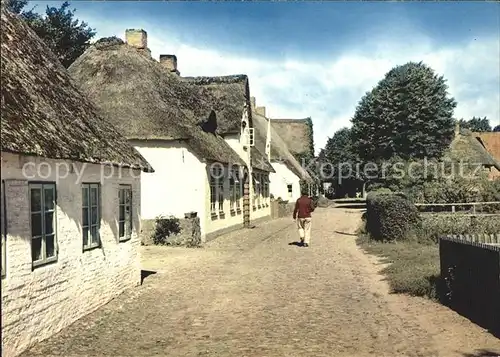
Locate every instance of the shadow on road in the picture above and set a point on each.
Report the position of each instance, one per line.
(298, 244)
(346, 234)
(145, 274)
(482, 353)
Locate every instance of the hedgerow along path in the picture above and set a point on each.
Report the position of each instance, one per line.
(250, 293)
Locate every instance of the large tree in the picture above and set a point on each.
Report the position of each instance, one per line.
(497, 128)
(476, 124)
(408, 114)
(66, 36)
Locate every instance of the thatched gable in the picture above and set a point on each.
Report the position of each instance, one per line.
(279, 150)
(296, 133)
(148, 102)
(43, 112)
(491, 142)
(467, 148)
(230, 94)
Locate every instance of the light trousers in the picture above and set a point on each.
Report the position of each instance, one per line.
(304, 227)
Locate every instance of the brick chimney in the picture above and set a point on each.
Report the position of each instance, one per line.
(138, 38)
(170, 63)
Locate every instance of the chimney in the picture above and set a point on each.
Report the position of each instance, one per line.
(138, 39)
(261, 111)
(170, 63)
(252, 102)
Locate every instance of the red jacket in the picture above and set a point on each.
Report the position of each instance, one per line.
(303, 207)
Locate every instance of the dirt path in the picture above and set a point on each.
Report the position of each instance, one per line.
(250, 293)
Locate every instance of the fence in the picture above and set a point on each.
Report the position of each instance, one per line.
(470, 272)
(472, 206)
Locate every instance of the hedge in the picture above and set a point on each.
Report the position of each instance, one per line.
(390, 217)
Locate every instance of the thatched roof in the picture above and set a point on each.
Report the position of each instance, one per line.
(491, 141)
(466, 147)
(279, 150)
(230, 94)
(43, 112)
(295, 133)
(148, 102)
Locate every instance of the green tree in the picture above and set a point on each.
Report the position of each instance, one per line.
(408, 114)
(66, 36)
(497, 128)
(476, 124)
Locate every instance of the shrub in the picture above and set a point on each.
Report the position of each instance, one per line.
(391, 217)
(164, 228)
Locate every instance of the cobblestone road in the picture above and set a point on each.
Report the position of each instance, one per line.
(250, 293)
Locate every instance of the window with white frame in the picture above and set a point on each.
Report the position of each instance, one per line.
(220, 189)
(213, 191)
(91, 215)
(266, 188)
(125, 213)
(4, 230)
(238, 189)
(233, 188)
(43, 223)
(290, 190)
(256, 190)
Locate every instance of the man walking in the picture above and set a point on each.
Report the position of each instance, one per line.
(302, 214)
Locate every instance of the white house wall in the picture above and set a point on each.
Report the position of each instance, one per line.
(280, 181)
(178, 184)
(38, 302)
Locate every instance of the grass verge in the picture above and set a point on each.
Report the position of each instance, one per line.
(413, 269)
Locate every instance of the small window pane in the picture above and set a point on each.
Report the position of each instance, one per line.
(122, 213)
(36, 249)
(121, 196)
(94, 235)
(121, 229)
(93, 196)
(85, 196)
(127, 197)
(49, 223)
(93, 215)
(36, 224)
(85, 236)
(50, 246)
(85, 216)
(49, 198)
(36, 200)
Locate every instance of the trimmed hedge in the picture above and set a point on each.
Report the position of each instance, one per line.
(391, 217)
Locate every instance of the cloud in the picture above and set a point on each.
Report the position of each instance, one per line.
(328, 90)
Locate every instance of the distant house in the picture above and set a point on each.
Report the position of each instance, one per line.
(70, 196)
(470, 149)
(180, 127)
(227, 92)
(297, 135)
(491, 142)
(285, 182)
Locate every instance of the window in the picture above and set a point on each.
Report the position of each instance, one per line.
(125, 213)
(238, 190)
(220, 190)
(91, 215)
(256, 190)
(43, 223)
(4, 230)
(266, 188)
(233, 188)
(213, 192)
(289, 188)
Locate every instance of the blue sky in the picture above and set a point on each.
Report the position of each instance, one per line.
(318, 58)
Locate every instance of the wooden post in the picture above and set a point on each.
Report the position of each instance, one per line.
(453, 209)
(246, 202)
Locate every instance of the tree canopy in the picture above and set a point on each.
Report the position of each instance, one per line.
(476, 124)
(408, 114)
(497, 128)
(66, 36)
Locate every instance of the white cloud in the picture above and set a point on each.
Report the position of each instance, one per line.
(329, 90)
